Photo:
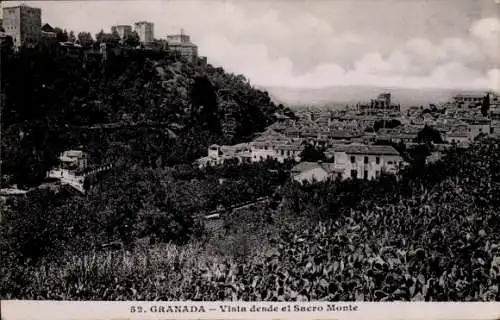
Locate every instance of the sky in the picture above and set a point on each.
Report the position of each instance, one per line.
(452, 44)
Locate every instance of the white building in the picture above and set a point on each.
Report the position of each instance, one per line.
(269, 145)
(457, 137)
(366, 161)
(72, 163)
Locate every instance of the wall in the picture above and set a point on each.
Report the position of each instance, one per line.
(343, 160)
(317, 173)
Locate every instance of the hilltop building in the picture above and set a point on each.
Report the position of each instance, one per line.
(122, 30)
(182, 44)
(145, 30)
(23, 24)
(381, 103)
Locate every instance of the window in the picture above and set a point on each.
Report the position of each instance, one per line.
(365, 175)
(389, 162)
(377, 160)
(366, 160)
(377, 174)
(354, 174)
(353, 159)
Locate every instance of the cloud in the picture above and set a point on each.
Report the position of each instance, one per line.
(321, 43)
(466, 62)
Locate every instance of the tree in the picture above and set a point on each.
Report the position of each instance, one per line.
(61, 36)
(99, 37)
(428, 135)
(312, 154)
(485, 106)
(85, 39)
(7, 44)
(71, 37)
(113, 37)
(132, 39)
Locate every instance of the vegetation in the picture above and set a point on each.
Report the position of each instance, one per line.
(187, 107)
(432, 238)
(312, 153)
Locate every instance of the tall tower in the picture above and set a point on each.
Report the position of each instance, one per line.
(145, 30)
(23, 24)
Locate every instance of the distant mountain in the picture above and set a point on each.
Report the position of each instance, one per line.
(339, 96)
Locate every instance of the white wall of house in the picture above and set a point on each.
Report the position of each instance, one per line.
(371, 167)
(318, 174)
(477, 129)
(456, 139)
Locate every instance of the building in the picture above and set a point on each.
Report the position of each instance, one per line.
(75, 160)
(361, 161)
(48, 34)
(182, 43)
(315, 172)
(381, 103)
(71, 164)
(478, 126)
(122, 30)
(468, 99)
(145, 30)
(457, 136)
(23, 24)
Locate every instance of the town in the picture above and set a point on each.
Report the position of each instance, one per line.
(138, 164)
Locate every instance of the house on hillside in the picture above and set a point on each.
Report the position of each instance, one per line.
(362, 161)
(71, 163)
(456, 136)
(315, 172)
(478, 126)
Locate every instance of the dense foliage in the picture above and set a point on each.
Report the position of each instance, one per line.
(51, 99)
(434, 237)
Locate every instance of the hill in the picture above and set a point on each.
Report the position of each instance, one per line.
(340, 96)
(49, 96)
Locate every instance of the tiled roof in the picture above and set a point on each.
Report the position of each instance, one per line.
(306, 166)
(458, 134)
(366, 149)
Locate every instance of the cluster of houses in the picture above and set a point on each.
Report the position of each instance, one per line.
(345, 160)
(352, 146)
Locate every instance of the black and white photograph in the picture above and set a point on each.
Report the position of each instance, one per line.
(252, 151)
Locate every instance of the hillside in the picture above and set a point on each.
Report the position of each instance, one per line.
(50, 98)
(432, 238)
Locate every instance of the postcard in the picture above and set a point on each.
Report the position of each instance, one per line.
(231, 159)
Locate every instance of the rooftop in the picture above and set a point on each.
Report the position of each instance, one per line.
(306, 166)
(366, 149)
